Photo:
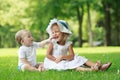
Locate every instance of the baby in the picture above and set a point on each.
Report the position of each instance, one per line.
(27, 51)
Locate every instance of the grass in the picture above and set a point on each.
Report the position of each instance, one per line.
(9, 58)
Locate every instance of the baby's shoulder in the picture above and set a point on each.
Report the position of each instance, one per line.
(53, 41)
(23, 48)
(68, 43)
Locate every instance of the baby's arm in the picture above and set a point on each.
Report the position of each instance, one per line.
(44, 42)
(25, 61)
(70, 56)
(49, 52)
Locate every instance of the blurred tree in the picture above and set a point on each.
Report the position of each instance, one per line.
(110, 21)
(35, 16)
(78, 7)
(89, 23)
(10, 13)
(106, 7)
(115, 22)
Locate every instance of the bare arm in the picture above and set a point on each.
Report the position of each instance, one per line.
(44, 42)
(49, 52)
(25, 61)
(70, 56)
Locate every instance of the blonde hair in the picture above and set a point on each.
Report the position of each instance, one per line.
(19, 35)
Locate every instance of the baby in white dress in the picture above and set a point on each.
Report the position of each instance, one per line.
(60, 54)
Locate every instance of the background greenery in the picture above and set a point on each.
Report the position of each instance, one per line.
(9, 60)
(90, 20)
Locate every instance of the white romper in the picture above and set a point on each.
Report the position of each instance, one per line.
(64, 64)
(29, 53)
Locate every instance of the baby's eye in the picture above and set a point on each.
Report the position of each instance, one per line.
(52, 32)
(29, 36)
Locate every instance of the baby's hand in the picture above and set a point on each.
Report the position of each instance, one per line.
(52, 36)
(58, 59)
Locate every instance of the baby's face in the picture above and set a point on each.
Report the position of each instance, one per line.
(27, 38)
(56, 33)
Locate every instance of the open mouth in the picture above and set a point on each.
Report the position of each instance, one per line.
(31, 40)
(56, 37)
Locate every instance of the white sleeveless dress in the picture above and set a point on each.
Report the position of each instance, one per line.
(64, 64)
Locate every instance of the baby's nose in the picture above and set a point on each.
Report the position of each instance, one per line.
(31, 38)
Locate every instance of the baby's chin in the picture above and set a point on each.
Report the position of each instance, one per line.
(58, 40)
(55, 39)
(31, 43)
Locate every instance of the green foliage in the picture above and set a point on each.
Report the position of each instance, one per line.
(98, 34)
(36, 14)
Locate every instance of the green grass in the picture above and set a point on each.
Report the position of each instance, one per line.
(9, 71)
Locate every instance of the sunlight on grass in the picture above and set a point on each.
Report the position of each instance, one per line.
(42, 51)
(8, 52)
(96, 50)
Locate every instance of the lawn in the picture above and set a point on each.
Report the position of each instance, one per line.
(8, 65)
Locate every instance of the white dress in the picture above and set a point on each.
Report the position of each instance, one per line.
(64, 64)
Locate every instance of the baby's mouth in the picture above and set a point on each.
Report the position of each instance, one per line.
(55, 37)
(31, 40)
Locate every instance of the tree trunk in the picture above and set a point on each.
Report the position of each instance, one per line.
(107, 23)
(117, 25)
(89, 26)
(80, 20)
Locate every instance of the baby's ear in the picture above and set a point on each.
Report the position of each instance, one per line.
(22, 41)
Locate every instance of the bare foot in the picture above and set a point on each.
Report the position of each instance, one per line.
(41, 68)
(106, 66)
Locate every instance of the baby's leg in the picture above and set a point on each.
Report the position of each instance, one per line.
(94, 66)
(28, 67)
(83, 69)
(89, 63)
